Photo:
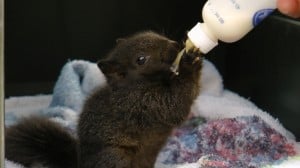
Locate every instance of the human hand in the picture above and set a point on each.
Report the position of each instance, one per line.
(289, 7)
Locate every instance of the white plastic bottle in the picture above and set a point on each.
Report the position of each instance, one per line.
(228, 21)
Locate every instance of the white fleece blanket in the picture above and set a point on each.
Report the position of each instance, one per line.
(79, 78)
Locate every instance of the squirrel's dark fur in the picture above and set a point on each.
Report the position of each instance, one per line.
(125, 123)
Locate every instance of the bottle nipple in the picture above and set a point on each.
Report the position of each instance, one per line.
(175, 66)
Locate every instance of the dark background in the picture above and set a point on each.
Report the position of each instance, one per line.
(41, 35)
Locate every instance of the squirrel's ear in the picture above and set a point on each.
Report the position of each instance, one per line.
(108, 67)
(120, 40)
(111, 69)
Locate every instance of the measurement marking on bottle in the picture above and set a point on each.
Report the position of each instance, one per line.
(215, 13)
(235, 4)
(220, 19)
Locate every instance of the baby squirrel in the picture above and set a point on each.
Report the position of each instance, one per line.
(125, 123)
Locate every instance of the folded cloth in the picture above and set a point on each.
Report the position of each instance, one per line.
(218, 134)
(77, 80)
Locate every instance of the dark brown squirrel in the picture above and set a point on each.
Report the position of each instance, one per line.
(125, 123)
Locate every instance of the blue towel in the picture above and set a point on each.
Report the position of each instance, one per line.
(77, 80)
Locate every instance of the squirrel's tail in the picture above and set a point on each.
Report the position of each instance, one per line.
(40, 141)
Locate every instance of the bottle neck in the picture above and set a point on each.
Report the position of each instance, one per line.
(202, 38)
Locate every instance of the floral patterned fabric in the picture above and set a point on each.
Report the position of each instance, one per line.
(227, 143)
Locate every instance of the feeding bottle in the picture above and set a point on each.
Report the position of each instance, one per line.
(227, 21)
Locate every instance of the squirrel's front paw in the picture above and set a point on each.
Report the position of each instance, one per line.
(192, 59)
(191, 56)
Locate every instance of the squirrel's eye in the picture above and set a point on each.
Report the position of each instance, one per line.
(142, 60)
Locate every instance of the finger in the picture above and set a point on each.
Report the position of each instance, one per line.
(289, 7)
